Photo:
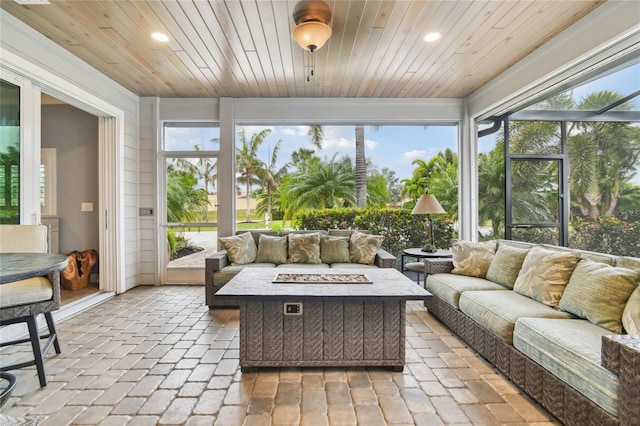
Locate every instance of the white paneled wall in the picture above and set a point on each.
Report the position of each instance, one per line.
(55, 71)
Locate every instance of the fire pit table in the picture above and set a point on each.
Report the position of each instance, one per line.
(322, 317)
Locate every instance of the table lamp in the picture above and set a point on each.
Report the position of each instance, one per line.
(428, 204)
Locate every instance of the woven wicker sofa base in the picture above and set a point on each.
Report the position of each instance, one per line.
(561, 400)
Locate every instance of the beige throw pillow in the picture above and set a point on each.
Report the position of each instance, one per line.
(272, 250)
(334, 249)
(241, 248)
(363, 247)
(545, 274)
(599, 292)
(506, 265)
(631, 313)
(472, 259)
(304, 248)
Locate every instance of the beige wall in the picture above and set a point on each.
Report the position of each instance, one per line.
(74, 135)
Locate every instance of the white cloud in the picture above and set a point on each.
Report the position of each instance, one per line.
(295, 131)
(370, 144)
(412, 155)
(336, 145)
(249, 131)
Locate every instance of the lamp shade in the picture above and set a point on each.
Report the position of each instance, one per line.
(427, 204)
(311, 35)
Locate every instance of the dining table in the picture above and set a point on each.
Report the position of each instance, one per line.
(22, 266)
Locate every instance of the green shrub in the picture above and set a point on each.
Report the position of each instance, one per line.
(400, 228)
(605, 235)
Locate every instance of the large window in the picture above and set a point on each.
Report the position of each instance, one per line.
(9, 153)
(283, 169)
(190, 152)
(572, 169)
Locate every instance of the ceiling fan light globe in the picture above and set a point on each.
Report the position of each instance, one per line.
(311, 35)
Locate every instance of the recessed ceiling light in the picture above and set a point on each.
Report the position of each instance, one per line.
(160, 37)
(32, 2)
(432, 37)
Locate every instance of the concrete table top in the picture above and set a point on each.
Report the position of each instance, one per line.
(257, 283)
(21, 266)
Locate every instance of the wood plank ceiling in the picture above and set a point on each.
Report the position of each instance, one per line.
(243, 48)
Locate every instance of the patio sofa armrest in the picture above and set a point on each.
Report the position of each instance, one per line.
(212, 264)
(621, 355)
(217, 261)
(384, 259)
(437, 266)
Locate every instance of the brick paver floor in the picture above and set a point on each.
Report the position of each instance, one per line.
(158, 355)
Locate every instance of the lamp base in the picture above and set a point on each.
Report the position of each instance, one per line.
(429, 248)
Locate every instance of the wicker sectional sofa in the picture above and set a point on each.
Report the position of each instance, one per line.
(576, 368)
(219, 269)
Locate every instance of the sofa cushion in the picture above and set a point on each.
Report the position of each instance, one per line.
(304, 248)
(223, 276)
(609, 259)
(363, 247)
(351, 266)
(23, 238)
(599, 292)
(506, 265)
(303, 265)
(631, 313)
(334, 249)
(545, 274)
(498, 311)
(628, 262)
(449, 287)
(24, 292)
(240, 248)
(472, 259)
(345, 232)
(255, 233)
(570, 349)
(272, 249)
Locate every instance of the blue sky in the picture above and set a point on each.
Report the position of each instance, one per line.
(394, 147)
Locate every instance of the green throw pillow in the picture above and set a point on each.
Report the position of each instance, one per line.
(363, 247)
(472, 259)
(304, 248)
(545, 274)
(506, 265)
(599, 292)
(241, 248)
(631, 313)
(272, 250)
(334, 249)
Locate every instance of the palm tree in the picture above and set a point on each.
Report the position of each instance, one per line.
(301, 158)
(207, 171)
(271, 178)
(185, 202)
(361, 169)
(444, 185)
(393, 185)
(316, 135)
(491, 184)
(323, 185)
(602, 156)
(377, 189)
(247, 162)
(418, 184)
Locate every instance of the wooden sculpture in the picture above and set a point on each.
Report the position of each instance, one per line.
(77, 274)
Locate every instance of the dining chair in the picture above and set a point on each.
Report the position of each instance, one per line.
(22, 301)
